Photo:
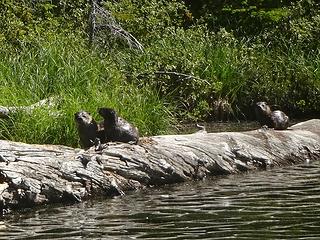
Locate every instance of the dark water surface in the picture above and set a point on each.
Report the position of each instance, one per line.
(217, 127)
(275, 204)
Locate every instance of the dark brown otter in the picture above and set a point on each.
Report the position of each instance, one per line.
(273, 119)
(116, 128)
(89, 130)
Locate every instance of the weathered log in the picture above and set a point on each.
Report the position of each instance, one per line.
(48, 102)
(37, 174)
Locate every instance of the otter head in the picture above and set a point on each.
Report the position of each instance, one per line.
(87, 128)
(263, 114)
(109, 115)
(83, 118)
(263, 108)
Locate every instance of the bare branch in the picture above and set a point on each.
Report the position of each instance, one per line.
(101, 19)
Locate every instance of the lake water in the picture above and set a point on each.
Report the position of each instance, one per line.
(281, 203)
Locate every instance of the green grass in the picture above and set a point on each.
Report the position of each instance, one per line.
(80, 79)
(240, 71)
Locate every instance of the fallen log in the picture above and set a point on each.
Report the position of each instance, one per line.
(48, 102)
(32, 175)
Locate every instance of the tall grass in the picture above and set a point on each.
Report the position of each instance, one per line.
(64, 68)
(240, 71)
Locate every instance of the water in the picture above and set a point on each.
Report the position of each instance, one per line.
(218, 127)
(275, 204)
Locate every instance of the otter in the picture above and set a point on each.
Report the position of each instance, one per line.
(116, 128)
(273, 119)
(89, 130)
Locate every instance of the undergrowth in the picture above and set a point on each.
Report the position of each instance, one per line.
(191, 69)
(78, 79)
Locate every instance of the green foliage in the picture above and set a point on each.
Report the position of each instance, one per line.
(253, 17)
(177, 51)
(215, 55)
(24, 21)
(303, 27)
(65, 69)
(225, 68)
(283, 78)
(147, 19)
(256, 13)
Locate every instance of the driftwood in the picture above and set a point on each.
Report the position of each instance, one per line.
(48, 102)
(38, 174)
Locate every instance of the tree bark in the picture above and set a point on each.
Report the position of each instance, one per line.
(39, 174)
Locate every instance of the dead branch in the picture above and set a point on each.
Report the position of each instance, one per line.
(48, 102)
(101, 19)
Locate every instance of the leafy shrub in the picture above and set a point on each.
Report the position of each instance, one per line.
(147, 19)
(24, 21)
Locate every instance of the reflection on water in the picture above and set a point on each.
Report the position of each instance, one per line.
(275, 204)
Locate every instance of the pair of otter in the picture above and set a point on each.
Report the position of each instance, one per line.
(111, 129)
(273, 119)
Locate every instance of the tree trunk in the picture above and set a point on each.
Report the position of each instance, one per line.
(39, 174)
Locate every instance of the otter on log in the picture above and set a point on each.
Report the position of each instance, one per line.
(273, 119)
(116, 128)
(89, 130)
